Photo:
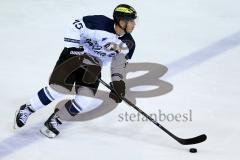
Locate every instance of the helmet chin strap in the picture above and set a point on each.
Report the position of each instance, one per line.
(125, 27)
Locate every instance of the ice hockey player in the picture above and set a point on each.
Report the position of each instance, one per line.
(96, 40)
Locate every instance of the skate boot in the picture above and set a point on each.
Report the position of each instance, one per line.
(50, 126)
(22, 115)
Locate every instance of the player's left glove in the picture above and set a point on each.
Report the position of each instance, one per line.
(119, 88)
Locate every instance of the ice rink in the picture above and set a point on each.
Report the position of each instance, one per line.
(197, 40)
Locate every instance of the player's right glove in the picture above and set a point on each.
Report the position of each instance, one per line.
(119, 88)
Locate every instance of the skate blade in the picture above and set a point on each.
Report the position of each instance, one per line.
(46, 132)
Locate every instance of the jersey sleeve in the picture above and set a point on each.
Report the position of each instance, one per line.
(129, 45)
(118, 67)
(73, 33)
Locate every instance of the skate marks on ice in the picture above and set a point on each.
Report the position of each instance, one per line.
(135, 134)
(22, 138)
(202, 55)
(32, 135)
(150, 79)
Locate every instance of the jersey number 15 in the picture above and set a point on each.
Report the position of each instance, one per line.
(78, 24)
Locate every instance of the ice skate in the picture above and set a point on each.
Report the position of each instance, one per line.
(50, 126)
(22, 115)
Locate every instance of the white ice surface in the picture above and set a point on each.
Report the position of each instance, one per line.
(199, 42)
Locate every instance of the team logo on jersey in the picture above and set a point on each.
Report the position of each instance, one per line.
(93, 44)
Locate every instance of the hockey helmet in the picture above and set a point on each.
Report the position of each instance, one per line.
(124, 11)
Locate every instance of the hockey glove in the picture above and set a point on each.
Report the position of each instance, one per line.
(119, 88)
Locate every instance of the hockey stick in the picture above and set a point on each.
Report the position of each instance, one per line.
(182, 141)
(188, 141)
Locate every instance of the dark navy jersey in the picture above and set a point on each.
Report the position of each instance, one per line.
(97, 35)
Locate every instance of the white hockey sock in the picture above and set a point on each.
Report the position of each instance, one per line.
(45, 96)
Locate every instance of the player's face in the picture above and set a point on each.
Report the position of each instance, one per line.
(130, 25)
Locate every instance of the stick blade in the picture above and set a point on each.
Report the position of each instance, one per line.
(195, 140)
